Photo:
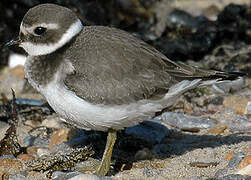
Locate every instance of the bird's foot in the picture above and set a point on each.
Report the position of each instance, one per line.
(104, 166)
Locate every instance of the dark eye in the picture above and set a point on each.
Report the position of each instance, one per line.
(39, 30)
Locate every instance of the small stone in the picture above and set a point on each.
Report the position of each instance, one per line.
(59, 136)
(58, 175)
(245, 171)
(235, 161)
(17, 177)
(42, 151)
(246, 161)
(143, 154)
(248, 151)
(186, 122)
(239, 103)
(36, 175)
(25, 157)
(52, 121)
(32, 150)
(87, 166)
(11, 163)
(203, 164)
(188, 107)
(230, 156)
(89, 177)
(218, 129)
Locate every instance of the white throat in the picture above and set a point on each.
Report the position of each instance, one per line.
(43, 49)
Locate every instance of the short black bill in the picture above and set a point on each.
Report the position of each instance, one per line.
(12, 42)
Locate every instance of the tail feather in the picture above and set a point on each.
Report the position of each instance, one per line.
(185, 72)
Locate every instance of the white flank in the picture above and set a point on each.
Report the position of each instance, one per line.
(43, 49)
(98, 116)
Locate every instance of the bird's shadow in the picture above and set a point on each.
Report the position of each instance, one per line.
(175, 143)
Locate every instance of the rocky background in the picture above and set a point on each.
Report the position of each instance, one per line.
(206, 135)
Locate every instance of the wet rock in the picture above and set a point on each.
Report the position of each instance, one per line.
(150, 131)
(186, 122)
(235, 161)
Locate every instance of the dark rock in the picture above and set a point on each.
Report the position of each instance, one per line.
(150, 131)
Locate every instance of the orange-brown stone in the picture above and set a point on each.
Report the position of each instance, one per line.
(246, 161)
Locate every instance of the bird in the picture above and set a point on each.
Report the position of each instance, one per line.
(101, 78)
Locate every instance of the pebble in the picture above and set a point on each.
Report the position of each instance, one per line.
(89, 177)
(17, 177)
(245, 171)
(218, 129)
(25, 157)
(203, 164)
(59, 175)
(248, 151)
(151, 131)
(186, 122)
(35, 141)
(235, 161)
(59, 136)
(87, 166)
(245, 161)
(52, 121)
(43, 151)
(240, 104)
(32, 150)
(230, 156)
